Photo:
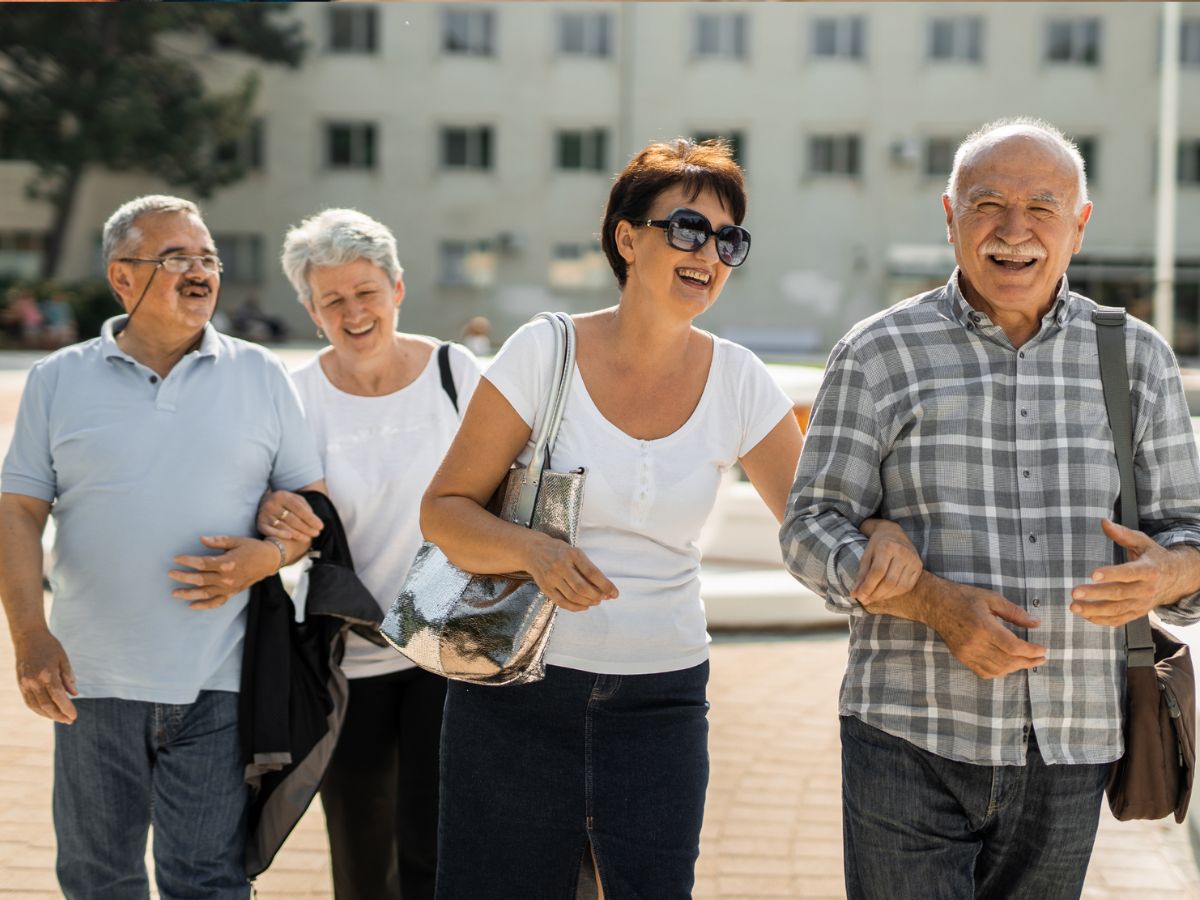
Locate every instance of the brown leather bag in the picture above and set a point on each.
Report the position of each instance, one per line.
(1154, 777)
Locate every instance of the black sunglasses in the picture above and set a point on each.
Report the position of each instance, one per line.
(688, 230)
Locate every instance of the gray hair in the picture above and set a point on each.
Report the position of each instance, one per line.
(121, 228)
(986, 135)
(335, 237)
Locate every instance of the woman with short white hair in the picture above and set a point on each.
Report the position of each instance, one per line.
(384, 407)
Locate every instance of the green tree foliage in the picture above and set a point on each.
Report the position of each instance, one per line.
(116, 86)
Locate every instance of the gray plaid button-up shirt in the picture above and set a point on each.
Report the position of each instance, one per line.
(998, 463)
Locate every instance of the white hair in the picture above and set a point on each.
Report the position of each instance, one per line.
(336, 237)
(988, 135)
(121, 228)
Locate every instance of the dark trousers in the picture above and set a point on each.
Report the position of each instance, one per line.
(923, 827)
(380, 793)
(533, 774)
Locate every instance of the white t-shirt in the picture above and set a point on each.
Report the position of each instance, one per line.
(644, 502)
(379, 454)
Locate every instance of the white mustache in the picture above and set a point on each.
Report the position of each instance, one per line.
(1029, 249)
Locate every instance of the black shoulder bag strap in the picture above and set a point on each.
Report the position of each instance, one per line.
(443, 355)
(1114, 374)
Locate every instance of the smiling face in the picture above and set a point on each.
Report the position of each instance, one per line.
(174, 306)
(1015, 223)
(691, 280)
(356, 305)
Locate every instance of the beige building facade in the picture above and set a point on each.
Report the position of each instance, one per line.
(486, 137)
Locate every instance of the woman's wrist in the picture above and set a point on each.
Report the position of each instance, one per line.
(278, 545)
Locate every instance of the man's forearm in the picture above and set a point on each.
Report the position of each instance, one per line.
(918, 605)
(21, 574)
(1184, 574)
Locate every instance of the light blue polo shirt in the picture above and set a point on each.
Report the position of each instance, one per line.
(138, 467)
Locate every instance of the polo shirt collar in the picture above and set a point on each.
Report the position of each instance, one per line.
(969, 317)
(210, 340)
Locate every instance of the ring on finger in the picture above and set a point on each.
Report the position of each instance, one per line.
(275, 522)
(283, 515)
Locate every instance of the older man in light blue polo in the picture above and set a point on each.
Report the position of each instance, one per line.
(151, 446)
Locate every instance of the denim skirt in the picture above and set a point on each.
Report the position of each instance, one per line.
(534, 775)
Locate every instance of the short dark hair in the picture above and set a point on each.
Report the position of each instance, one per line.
(707, 165)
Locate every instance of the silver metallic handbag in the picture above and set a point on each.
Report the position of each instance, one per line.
(493, 629)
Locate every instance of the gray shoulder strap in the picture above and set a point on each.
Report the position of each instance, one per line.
(1114, 375)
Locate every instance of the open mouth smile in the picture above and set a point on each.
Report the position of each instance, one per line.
(694, 277)
(1013, 263)
(360, 331)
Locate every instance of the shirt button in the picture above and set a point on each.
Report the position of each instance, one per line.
(154, 379)
(1037, 602)
(1021, 354)
(1024, 412)
(1025, 473)
(1033, 539)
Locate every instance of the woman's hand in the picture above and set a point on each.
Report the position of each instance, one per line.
(566, 575)
(287, 516)
(890, 566)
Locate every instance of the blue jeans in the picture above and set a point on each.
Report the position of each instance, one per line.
(124, 765)
(532, 774)
(916, 825)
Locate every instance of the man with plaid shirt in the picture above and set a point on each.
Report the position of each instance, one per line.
(981, 709)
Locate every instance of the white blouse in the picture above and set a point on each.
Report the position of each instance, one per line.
(645, 502)
(379, 454)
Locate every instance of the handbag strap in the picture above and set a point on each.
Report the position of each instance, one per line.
(556, 403)
(447, 374)
(1114, 375)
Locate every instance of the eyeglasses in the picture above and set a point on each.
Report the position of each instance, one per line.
(688, 230)
(177, 265)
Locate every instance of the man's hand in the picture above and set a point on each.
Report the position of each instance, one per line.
(1153, 576)
(968, 619)
(217, 578)
(45, 677)
(890, 565)
(287, 516)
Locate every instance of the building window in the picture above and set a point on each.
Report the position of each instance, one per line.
(839, 37)
(1074, 41)
(467, 148)
(957, 39)
(21, 252)
(245, 151)
(1189, 42)
(585, 150)
(353, 29)
(578, 266)
(720, 35)
(350, 145)
(1088, 149)
(834, 155)
(241, 256)
(470, 32)
(1188, 162)
(937, 156)
(584, 33)
(467, 264)
(735, 139)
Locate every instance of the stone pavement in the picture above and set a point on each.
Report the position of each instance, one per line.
(772, 827)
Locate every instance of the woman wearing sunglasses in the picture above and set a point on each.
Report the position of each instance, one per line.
(606, 759)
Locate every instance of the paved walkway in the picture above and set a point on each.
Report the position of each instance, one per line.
(772, 827)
